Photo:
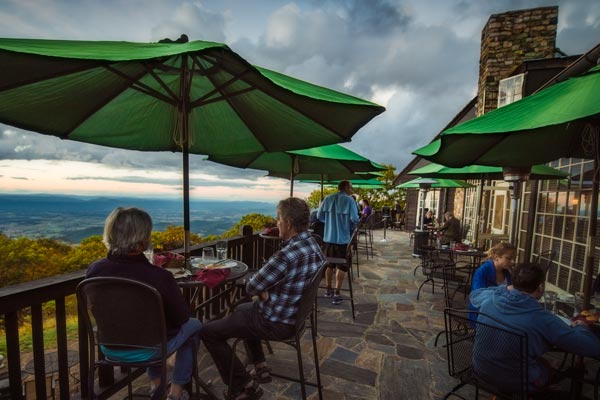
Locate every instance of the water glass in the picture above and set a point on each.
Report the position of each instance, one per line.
(221, 249)
(550, 300)
(208, 255)
(149, 253)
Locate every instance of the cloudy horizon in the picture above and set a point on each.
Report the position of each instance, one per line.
(419, 59)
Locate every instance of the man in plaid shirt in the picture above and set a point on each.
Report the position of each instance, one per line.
(279, 285)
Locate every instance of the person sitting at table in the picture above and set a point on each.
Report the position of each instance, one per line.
(495, 271)
(126, 236)
(518, 307)
(428, 219)
(450, 229)
(366, 210)
(279, 284)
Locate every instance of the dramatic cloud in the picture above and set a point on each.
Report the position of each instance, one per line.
(417, 58)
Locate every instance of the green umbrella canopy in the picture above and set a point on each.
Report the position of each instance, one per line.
(440, 183)
(332, 159)
(481, 171)
(150, 96)
(357, 183)
(543, 127)
(316, 177)
(197, 97)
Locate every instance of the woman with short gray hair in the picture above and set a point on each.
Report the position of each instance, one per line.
(126, 236)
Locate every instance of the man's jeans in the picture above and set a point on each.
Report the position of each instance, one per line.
(183, 342)
(246, 322)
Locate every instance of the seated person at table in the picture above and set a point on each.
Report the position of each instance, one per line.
(126, 235)
(279, 285)
(518, 306)
(495, 271)
(450, 229)
(428, 219)
(366, 210)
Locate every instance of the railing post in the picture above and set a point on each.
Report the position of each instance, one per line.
(248, 246)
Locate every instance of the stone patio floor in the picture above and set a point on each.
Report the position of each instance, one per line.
(386, 353)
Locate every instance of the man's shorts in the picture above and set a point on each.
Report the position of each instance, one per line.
(337, 251)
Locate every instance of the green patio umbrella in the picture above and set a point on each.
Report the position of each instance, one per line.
(197, 97)
(561, 120)
(331, 159)
(553, 123)
(357, 183)
(440, 183)
(482, 172)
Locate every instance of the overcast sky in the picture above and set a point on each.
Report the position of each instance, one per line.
(418, 58)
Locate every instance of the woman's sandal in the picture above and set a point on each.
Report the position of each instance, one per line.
(262, 374)
(253, 392)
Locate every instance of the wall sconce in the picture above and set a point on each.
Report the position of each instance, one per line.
(575, 201)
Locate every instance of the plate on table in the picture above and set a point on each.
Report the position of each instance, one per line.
(177, 272)
(224, 264)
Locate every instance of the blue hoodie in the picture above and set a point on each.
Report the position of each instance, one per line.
(544, 330)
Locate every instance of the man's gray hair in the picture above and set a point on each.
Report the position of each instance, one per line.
(127, 230)
(296, 211)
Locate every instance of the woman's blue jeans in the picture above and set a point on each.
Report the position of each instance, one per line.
(183, 343)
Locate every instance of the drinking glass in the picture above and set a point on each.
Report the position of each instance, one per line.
(208, 255)
(149, 253)
(550, 300)
(221, 249)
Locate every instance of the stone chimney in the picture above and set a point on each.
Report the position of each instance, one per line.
(507, 40)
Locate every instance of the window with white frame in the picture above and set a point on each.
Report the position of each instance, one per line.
(510, 90)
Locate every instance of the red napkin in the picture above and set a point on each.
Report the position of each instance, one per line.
(212, 277)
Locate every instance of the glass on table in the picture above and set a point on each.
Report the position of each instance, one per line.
(208, 255)
(550, 300)
(149, 253)
(221, 249)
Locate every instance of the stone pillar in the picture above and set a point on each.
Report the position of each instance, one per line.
(507, 40)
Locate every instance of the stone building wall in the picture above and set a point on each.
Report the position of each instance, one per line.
(507, 40)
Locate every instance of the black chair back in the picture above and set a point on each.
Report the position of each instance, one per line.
(122, 314)
(486, 353)
(309, 296)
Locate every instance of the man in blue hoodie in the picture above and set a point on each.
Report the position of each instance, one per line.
(518, 307)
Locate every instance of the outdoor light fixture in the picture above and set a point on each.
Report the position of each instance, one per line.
(516, 174)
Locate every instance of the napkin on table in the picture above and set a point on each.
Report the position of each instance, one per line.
(212, 277)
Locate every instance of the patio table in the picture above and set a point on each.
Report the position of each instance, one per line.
(210, 303)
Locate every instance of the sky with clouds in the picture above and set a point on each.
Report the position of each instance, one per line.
(418, 58)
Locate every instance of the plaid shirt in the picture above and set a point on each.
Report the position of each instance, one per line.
(284, 276)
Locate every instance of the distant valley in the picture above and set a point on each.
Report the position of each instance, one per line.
(73, 218)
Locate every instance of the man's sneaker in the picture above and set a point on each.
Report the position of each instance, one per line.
(329, 292)
(337, 299)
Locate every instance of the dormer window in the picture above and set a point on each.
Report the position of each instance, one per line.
(510, 90)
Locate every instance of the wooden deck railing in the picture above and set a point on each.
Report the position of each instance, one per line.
(31, 297)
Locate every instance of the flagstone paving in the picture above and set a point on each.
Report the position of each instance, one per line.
(388, 352)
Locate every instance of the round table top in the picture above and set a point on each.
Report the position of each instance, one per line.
(237, 271)
(51, 362)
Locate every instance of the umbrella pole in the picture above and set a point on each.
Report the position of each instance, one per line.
(186, 203)
(514, 205)
(479, 195)
(321, 187)
(591, 242)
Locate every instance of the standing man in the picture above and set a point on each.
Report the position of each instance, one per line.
(339, 213)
